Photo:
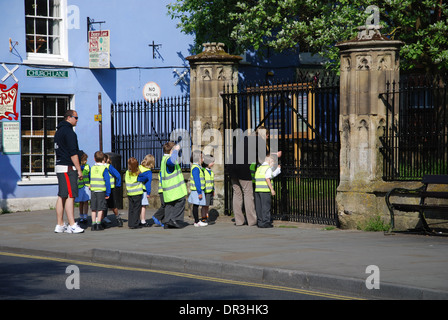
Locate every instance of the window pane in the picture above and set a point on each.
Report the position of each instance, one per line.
(25, 103)
(26, 126)
(62, 107)
(30, 44)
(50, 163)
(50, 146)
(36, 163)
(41, 45)
(51, 126)
(29, 7)
(53, 27)
(36, 146)
(41, 26)
(42, 9)
(25, 146)
(53, 45)
(25, 164)
(38, 126)
(55, 8)
(38, 107)
(50, 106)
(29, 26)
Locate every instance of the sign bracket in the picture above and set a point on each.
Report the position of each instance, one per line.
(89, 23)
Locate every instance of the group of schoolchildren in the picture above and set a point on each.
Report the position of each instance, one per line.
(100, 182)
(98, 185)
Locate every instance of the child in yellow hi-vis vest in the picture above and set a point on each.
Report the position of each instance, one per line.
(197, 187)
(134, 190)
(100, 189)
(264, 190)
(209, 190)
(145, 177)
(83, 190)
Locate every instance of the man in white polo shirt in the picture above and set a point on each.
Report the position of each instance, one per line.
(68, 171)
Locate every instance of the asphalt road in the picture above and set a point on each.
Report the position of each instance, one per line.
(25, 277)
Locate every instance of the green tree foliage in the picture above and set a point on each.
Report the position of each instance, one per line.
(316, 26)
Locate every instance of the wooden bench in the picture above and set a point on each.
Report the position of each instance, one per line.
(423, 193)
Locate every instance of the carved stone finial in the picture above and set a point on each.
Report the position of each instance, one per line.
(372, 27)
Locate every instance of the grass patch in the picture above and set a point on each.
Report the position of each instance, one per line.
(374, 224)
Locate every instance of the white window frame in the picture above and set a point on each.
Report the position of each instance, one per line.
(39, 177)
(53, 59)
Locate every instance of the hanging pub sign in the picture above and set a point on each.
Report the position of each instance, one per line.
(8, 99)
(99, 49)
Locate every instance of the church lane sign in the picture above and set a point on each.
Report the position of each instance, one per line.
(39, 73)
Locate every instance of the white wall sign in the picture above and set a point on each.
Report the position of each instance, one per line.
(99, 49)
(11, 137)
(151, 92)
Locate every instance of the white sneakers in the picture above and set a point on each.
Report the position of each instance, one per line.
(68, 229)
(201, 224)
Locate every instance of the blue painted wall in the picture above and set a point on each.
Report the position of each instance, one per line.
(133, 25)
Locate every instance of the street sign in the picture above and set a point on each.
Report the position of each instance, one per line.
(151, 92)
(99, 49)
(47, 73)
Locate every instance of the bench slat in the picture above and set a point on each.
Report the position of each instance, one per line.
(434, 194)
(435, 179)
(417, 207)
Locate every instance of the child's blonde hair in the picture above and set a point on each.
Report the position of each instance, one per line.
(133, 166)
(149, 161)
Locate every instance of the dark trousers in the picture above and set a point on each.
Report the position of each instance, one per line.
(263, 208)
(160, 213)
(174, 210)
(135, 208)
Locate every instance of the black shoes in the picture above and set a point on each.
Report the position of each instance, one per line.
(175, 224)
(268, 225)
(97, 227)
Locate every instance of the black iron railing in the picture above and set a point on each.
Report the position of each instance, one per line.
(142, 127)
(415, 140)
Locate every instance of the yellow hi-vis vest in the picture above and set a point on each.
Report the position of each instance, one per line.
(112, 178)
(209, 181)
(173, 184)
(253, 169)
(260, 179)
(85, 177)
(97, 182)
(160, 190)
(201, 177)
(133, 187)
(143, 169)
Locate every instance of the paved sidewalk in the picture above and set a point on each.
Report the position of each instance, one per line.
(290, 254)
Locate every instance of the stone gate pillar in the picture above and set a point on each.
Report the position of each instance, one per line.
(367, 63)
(210, 71)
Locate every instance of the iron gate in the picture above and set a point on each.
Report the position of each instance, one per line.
(302, 118)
